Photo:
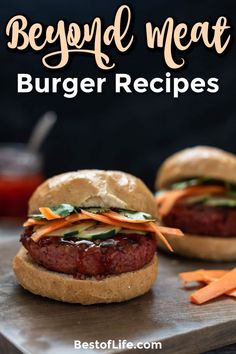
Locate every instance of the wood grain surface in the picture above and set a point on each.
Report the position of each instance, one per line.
(36, 325)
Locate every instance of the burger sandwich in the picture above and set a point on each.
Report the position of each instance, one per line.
(197, 193)
(90, 237)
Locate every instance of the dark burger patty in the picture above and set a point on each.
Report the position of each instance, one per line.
(200, 219)
(81, 258)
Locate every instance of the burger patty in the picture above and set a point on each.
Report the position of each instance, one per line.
(200, 219)
(97, 258)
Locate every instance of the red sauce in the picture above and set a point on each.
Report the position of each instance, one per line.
(15, 193)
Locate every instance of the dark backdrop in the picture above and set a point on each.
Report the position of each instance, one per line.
(132, 132)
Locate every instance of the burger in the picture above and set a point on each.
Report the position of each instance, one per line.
(197, 193)
(90, 237)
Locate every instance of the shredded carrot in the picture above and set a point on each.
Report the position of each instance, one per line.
(56, 225)
(126, 225)
(32, 222)
(77, 217)
(221, 286)
(162, 237)
(49, 214)
(148, 227)
(161, 197)
(170, 231)
(167, 200)
(49, 227)
(119, 217)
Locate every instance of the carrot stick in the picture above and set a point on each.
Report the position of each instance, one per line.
(161, 229)
(49, 214)
(216, 288)
(170, 200)
(209, 279)
(86, 215)
(77, 217)
(149, 227)
(49, 227)
(56, 225)
(125, 225)
(161, 197)
(201, 275)
(205, 276)
(171, 231)
(162, 237)
(32, 222)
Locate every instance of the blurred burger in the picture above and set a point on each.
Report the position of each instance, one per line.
(90, 238)
(197, 193)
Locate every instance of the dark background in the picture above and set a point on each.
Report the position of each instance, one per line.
(130, 132)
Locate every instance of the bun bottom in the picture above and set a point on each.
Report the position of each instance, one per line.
(209, 248)
(64, 287)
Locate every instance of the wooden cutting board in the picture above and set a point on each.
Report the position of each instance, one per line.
(34, 325)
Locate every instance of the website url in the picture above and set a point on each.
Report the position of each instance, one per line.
(117, 344)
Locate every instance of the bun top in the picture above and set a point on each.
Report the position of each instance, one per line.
(94, 188)
(196, 162)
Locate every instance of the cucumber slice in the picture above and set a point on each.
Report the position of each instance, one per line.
(191, 182)
(209, 200)
(99, 232)
(95, 210)
(221, 202)
(129, 232)
(197, 199)
(73, 230)
(136, 215)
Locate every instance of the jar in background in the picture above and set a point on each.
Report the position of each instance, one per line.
(20, 175)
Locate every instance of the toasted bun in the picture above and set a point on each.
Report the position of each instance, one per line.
(63, 287)
(196, 162)
(90, 188)
(209, 248)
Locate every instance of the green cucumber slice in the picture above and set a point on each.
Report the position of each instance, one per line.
(128, 232)
(135, 215)
(73, 230)
(94, 210)
(197, 199)
(212, 201)
(221, 202)
(191, 182)
(99, 232)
